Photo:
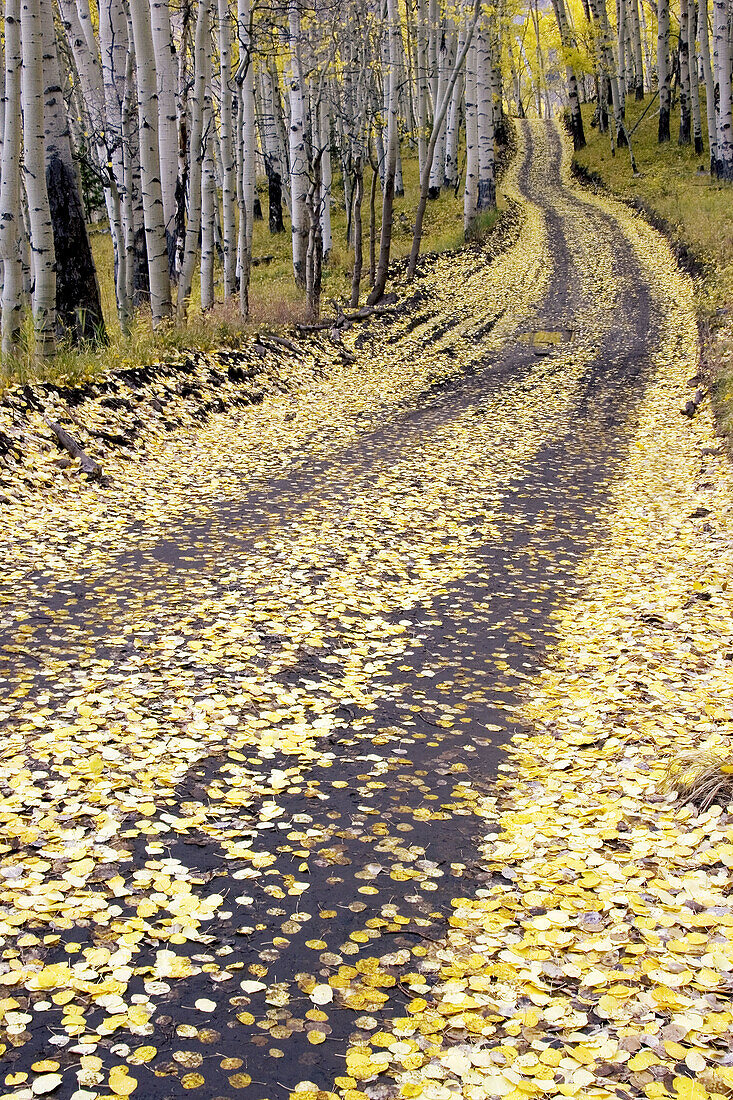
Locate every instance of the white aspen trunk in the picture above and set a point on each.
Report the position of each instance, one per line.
(423, 88)
(152, 199)
(113, 49)
(79, 30)
(166, 74)
(685, 135)
(486, 179)
(645, 43)
(722, 38)
(470, 193)
(282, 125)
(78, 305)
(621, 41)
(11, 218)
(694, 81)
(2, 98)
(444, 65)
(226, 146)
(394, 31)
(208, 223)
(704, 41)
(271, 151)
(248, 119)
(299, 180)
(34, 167)
(453, 132)
(196, 156)
(663, 69)
(635, 31)
(324, 142)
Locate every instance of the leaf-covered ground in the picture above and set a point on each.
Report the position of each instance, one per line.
(258, 683)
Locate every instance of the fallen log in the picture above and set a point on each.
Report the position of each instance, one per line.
(88, 465)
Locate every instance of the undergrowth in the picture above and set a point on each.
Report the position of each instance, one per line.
(274, 298)
(673, 185)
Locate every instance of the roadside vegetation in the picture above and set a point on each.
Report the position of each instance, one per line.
(275, 300)
(674, 188)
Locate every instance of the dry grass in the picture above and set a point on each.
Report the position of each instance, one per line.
(275, 301)
(697, 211)
(702, 779)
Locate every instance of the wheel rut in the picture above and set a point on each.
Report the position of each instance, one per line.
(427, 557)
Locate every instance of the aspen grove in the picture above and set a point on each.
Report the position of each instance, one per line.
(192, 119)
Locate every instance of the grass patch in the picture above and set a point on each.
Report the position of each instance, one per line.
(274, 298)
(674, 186)
(702, 780)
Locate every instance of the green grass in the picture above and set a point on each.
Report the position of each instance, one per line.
(674, 184)
(274, 298)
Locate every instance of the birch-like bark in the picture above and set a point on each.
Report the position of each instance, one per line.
(208, 223)
(299, 179)
(167, 79)
(196, 156)
(486, 179)
(444, 66)
(34, 169)
(635, 31)
(226, 146)
(78, 305)
(694, 80)
(394, 32)
(722, 38)
(685, 135)
(663, 70)
(152, 199)
(248, 119)
(704, 42)
(326, 172)
(453, 131)
(271, 152)
(11, 218)
(470, 193)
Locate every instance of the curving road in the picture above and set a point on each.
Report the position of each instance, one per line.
(254, 716)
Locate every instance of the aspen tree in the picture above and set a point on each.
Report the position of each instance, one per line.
(152, 199)
(394, 38)
(196, 156)
(485, 118)
(299, 179)
(636, 43)
(568, 43)
(247, 115)
(704, 41)
(226, 146)
(208, 222)
(723, 61)
(694, 81)
(11, 219)
(470, 194)
(166, 80)
(441, 110)
(78, 306)
(271, 152)
(324, 144)
(663, 69)
(685, 135)
(34, 168)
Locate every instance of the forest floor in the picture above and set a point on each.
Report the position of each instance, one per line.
(674, 188)
(260, 680)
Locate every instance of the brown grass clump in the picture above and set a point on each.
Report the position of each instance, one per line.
(702, 779)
